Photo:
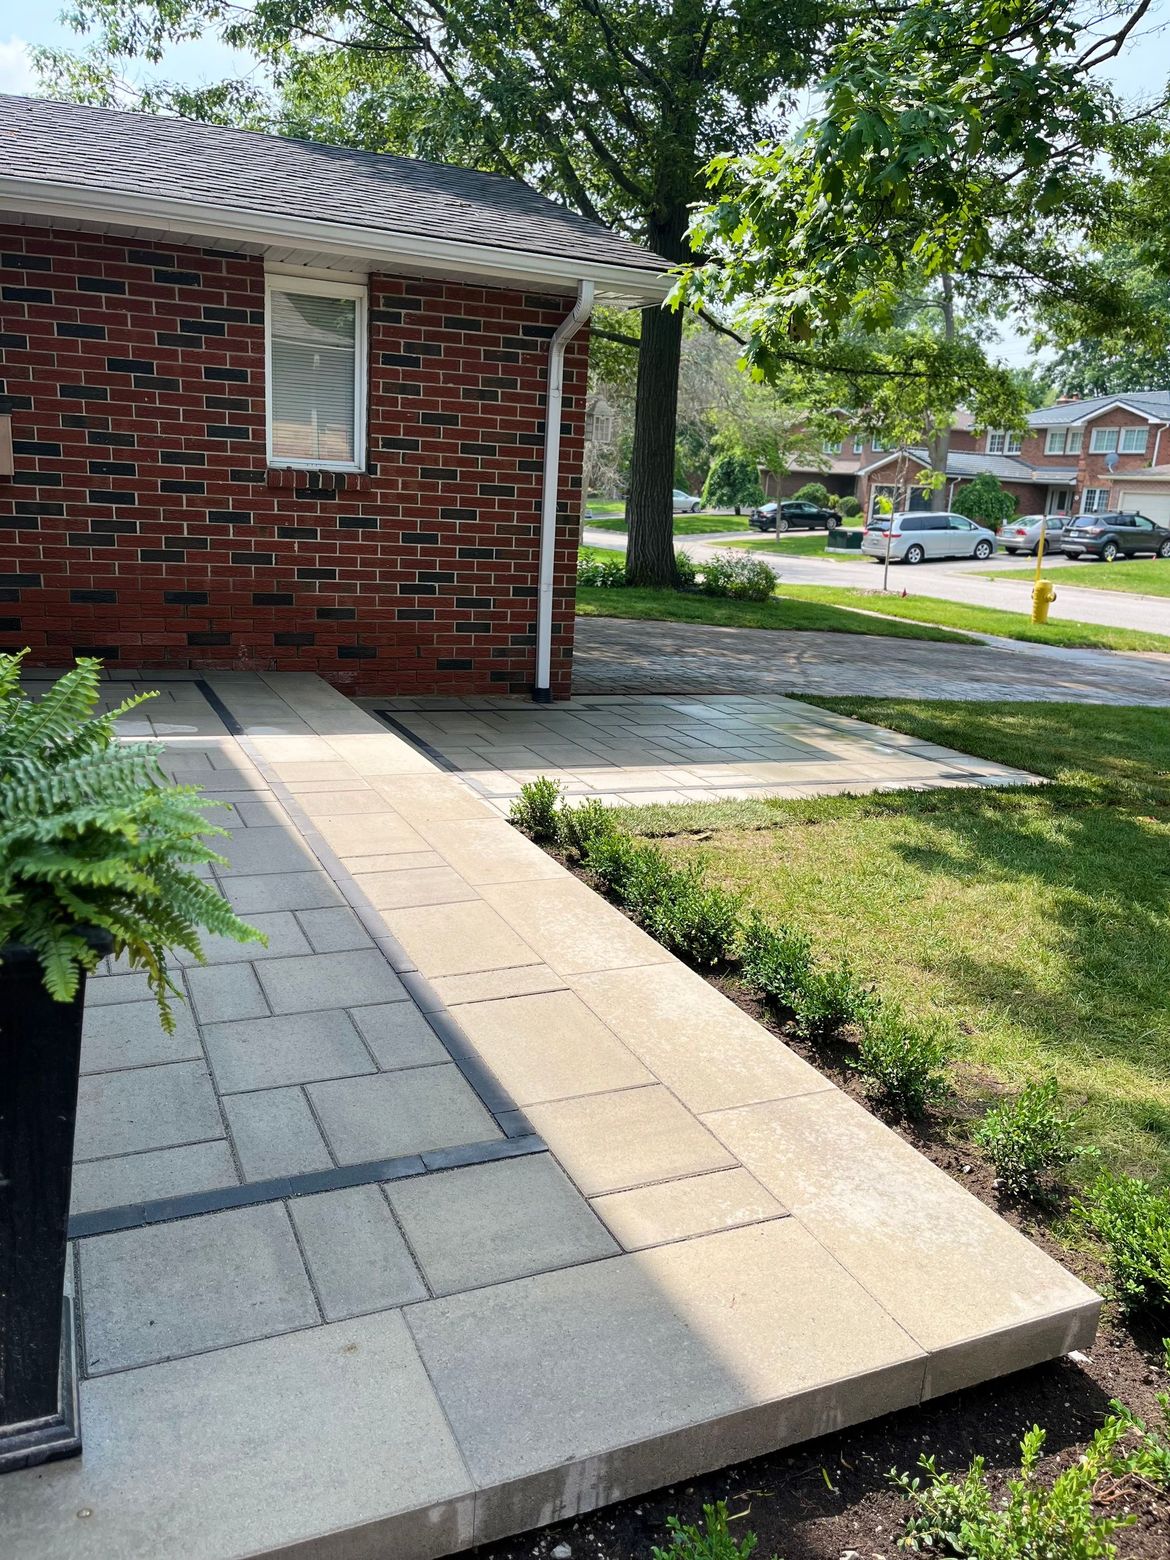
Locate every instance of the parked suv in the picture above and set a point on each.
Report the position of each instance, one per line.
(792, 512)
(1115, 535)
(918, 535)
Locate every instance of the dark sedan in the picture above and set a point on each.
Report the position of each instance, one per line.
(1115, 535)
(793, 512)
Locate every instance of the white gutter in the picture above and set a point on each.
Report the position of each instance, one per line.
(28, 199)
(564, 333)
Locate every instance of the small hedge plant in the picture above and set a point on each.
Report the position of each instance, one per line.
(1132, 1220)
(738, 577)
(603, 573)
(848, 508)
(93, 837)
(904, 1058)
(536, 809)
(711, 1542)
(1028, 1139)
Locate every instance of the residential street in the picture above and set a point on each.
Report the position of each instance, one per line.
(958, 580)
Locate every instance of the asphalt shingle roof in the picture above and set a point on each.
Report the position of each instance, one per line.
(239, 170)
(1155, 403)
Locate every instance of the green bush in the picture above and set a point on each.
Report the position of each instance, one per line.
(732, 483)
(739, 577)
(612, 859)
(713, 1542)
(685, 570)
(813, 493)
(93, 837)
(608, 573)
(697, 922)
(775, 960)
(1037, 1521)
(848, 508)
(577, 826)
(1027, 1139)
(535, 809)
(648, 880)
(1133, 1221)
(903, 1058)
(985, 501)
(825, 1001)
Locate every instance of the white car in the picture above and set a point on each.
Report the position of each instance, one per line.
(915, 536)
(686, 503)
(1022, 535)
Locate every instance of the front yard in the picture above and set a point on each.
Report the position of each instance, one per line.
(684, 525)
(1145, 576)
(1037, 920)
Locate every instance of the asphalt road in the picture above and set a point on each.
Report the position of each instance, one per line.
(956, 580)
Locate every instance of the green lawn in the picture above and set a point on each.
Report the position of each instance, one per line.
(795, 547)
(1146, 576)
(668, 606)
(685, 525)
(981, 620)
(1037, 921)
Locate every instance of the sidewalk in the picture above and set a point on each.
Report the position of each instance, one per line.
(585, 1228)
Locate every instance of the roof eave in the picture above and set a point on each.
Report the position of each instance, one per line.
(631, 285)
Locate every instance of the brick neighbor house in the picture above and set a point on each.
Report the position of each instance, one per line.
(281, 405)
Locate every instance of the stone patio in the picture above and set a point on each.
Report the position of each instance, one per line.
(462, 1206)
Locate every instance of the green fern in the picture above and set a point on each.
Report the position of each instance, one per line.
(94, 837)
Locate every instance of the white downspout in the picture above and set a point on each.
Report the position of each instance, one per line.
(564, 333)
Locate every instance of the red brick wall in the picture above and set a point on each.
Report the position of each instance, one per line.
(143, 525)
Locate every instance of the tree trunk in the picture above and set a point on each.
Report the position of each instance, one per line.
(939, 446)
(649, 506)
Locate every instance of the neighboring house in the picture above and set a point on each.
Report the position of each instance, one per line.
(1076, 456)
(841, 464)
(282, 405)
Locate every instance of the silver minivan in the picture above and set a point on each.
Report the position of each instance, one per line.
(917, 535)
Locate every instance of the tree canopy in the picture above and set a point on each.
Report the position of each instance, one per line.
(984, 498)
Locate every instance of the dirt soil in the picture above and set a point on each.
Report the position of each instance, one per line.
(831, 1499)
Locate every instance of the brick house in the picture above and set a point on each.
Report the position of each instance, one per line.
(281, 405)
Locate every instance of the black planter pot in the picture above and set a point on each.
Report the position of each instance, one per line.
(40, 1056)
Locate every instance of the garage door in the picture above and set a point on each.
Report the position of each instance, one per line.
(1155, 506)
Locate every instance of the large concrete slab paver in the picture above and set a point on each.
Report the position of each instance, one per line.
(704, 1048)
(399, 1036)
(458, 939)
(161, 1172)
(488, 1223)
(692, 1205)
(608, 1142)
(355, 1252)
(268, 1053)
(323, 980)
(331, 1438)
(222, 992)
(398, 1113)
(144, 1108)
(489, 851)
(548, 1046)
(275, 1133)
(572, 928)
(130, 1034)
(621, 1369)
(971, 1290)
(300, 890)
(166, 1290)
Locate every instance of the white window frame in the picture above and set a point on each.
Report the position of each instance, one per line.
(1100, 442)
(1013, 443)
(879, 446)
(996, 441)
(1139, 432)
(858, 444)
(1074, 440)
(1095, 501)
(831, 448)
(275, 281)
(1054, 442)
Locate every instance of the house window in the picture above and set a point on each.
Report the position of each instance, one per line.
(830, 448)
(1133, 441)
(1103, 441)
(1054, 443)
(996, 441)
(1073, 441)
(316, 381)
(1095, 501)
(879, 446)
(858, 445)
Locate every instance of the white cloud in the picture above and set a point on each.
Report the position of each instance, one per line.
(16, 71)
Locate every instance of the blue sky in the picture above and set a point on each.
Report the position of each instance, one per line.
(1141, 71)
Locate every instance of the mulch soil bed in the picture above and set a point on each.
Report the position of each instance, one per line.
(831, 1499)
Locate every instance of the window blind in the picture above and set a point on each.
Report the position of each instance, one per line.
(313, 368)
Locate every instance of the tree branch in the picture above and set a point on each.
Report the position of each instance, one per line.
(615, 335)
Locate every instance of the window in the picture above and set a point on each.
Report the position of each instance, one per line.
(1073, 441)
(858, 445)
(1014, 444)
(1095, 501)
(830, 448)
(1054, 443)
(995, 442)
(880, 447)
(1133, 441)
(316, 343)
(1103, 441)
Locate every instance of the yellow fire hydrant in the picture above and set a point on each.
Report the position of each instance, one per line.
(1043, 595)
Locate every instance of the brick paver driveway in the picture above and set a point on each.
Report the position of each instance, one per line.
(616, 655)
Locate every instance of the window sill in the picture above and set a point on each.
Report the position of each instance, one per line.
(315, 479)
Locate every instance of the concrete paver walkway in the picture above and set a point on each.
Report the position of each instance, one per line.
(617, 655)
(693, 1250)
